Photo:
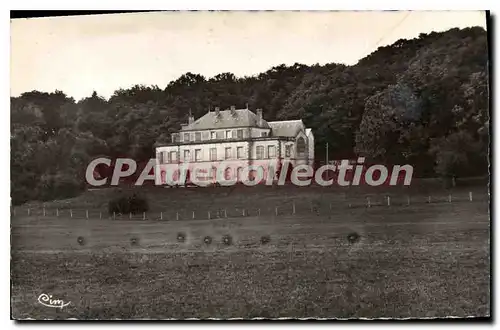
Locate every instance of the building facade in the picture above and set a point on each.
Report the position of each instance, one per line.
(234, 139)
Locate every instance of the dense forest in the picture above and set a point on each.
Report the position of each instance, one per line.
(422, 102)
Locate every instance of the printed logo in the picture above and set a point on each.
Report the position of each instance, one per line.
(47, 301)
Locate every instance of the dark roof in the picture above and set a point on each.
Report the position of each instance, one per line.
(226, 119)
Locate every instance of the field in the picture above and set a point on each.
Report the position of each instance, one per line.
(410, 258)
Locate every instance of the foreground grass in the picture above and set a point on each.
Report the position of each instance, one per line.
(430, 261)
(390, 283)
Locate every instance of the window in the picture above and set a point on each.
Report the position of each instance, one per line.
(228, 173)
(186, 137)
(172, 157)
(213, 153)
(206, 135)
(160, 158)
(228, 153)
(239, 151)
(263, 134)
(288, 150)
(220, 135)
(186, 155)
(212, 135)
(271, 151)
(240, 134)
(197, 155)
(197, 136)
(260, 152)
(228, 134)
(301, 147)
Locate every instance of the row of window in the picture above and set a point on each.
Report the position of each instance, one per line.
(228, 154)
(229, 174)
(215, 135)
(172, 155)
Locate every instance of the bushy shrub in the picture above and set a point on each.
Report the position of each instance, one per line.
(128, 204)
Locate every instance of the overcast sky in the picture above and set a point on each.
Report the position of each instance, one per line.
(81, 54)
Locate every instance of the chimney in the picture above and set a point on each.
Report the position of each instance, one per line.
(233, 110)
(259, 116)
(190, 118)
(217, 111)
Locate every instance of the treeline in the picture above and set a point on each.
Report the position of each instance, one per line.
(422, 101)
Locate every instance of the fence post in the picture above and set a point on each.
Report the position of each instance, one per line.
(114, 215)
(143, 215)
(408, 200)
(388, 200)
(368, 202)
(209, 214)
(259, 212)
(28, 211)
(276, 210)
(87, 214)
(57, 212)
(161, 215)
(243, 212)
(44, 211)
(100, 215)
(193, 215)
(470, 196)
(70, 213)
(176, 215)
(294, 207)
(429, 199)
(130, 215)
(225, 213)
(449, 198)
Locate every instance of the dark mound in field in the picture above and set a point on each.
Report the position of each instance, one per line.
(81, 240)
(181, 237)
(353, 237)
(207, 240)
(128, 204)
(227, 240)
(134, 241)
(265, 239)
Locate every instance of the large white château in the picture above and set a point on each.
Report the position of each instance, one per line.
(237, 138)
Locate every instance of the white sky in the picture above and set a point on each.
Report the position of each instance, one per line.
(81, 54)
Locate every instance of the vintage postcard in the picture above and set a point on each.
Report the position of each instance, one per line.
(250, 165)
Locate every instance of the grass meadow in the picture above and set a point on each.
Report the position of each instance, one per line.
(293, 253)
